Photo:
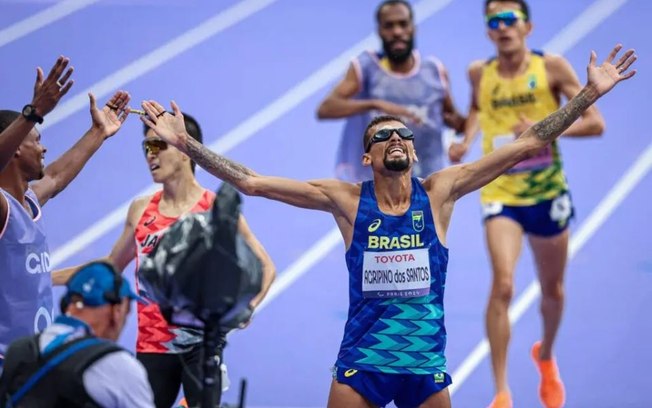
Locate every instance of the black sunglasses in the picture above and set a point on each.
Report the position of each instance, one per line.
(385, 134)
(154, 146)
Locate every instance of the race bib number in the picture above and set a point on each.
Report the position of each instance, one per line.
(396, 274)
(561, 209)
(492, 208)
(542, 160)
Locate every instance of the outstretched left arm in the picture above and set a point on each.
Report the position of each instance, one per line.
(591, 122)
(460, 180)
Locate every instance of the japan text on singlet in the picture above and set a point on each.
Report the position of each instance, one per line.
(155, 335)
(501, 102)
(397, 274)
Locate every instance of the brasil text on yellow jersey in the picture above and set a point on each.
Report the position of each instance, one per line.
(501, 101)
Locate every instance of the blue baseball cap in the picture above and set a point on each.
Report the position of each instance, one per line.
(98, 283)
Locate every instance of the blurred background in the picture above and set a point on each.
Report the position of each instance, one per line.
(253, 73)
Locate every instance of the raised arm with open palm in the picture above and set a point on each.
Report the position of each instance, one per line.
(601, 79)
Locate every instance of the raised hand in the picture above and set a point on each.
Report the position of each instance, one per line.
(48, 91)
(607, 75)
(169, 127)
(110, 118)
(456, 152)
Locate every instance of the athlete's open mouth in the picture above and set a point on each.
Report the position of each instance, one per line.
(395, 149)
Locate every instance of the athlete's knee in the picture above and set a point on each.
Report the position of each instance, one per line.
(552, 290)
(502, 291)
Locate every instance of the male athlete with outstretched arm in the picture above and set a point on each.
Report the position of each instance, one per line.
(394, 339)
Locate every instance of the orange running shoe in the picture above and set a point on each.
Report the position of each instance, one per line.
(502, 400)
(551, 388)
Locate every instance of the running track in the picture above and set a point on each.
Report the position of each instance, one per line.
(253, 72)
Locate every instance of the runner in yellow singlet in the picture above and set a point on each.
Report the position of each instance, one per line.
(510, 92)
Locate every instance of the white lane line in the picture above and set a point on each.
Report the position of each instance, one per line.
(243, 131)
(41, 19)
(309, 259)
(191, 38)
(566, 39)
(598, 216)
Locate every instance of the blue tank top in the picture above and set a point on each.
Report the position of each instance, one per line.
(422, 90)
(26, 305)
(397, 274)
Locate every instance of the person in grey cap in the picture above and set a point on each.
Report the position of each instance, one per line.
(75, 362)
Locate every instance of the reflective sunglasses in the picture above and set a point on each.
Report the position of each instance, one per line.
(154, 145)
(509, 18)
(385, 134)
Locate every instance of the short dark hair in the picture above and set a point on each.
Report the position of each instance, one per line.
(193, 129)
(391, 3)
(524, 7)
(375, 121)
(6, 117)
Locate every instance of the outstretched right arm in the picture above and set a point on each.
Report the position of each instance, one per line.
(47, 93)
(321, 195)
(314, 195)
(340, 103)
(460, 180)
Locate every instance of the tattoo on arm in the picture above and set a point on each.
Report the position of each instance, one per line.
(217, 165)
(552, 126)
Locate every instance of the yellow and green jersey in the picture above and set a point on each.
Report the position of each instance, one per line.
(501, 102)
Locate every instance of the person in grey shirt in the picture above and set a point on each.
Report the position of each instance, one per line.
(26, 185)
(89, 368)
(398, 81)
